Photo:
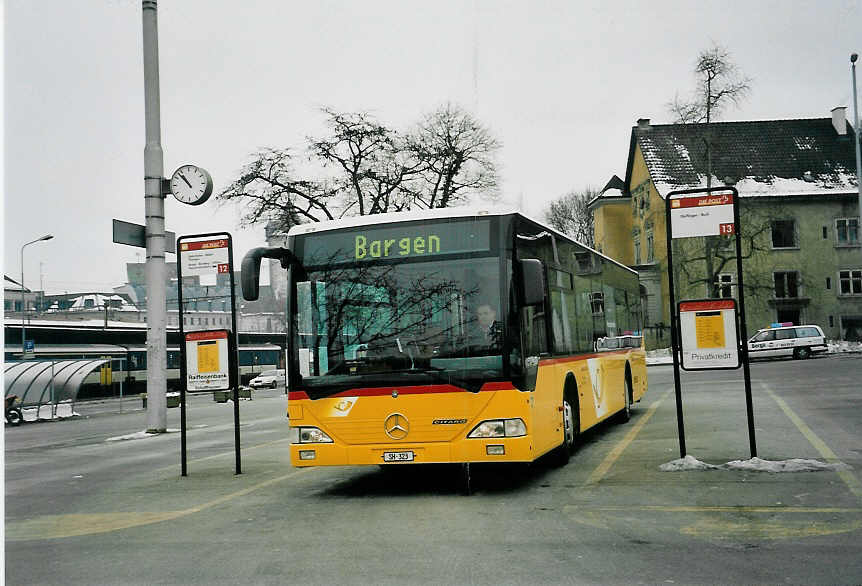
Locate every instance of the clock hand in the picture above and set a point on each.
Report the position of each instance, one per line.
(183, 177)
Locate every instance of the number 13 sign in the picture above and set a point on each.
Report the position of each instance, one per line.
(702, 215)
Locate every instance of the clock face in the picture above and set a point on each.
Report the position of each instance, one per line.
(192, 185)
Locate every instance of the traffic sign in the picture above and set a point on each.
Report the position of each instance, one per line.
(205, 258)
(702, 215)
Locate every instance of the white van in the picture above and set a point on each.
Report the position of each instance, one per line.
(796, 341)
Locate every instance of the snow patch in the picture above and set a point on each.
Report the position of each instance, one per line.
(47, 412)
(139, 435)
(792, 465)
(754, 465)
(687, 463)
(663, 355)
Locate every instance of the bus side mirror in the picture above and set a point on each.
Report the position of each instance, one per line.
(250, 276)
(533, 281)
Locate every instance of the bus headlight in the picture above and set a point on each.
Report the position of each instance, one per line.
(499, 428)
(308, 435)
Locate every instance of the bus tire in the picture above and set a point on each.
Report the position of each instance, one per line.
(571, 425)
(626, 413)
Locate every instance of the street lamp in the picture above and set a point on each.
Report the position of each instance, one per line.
(23, 288)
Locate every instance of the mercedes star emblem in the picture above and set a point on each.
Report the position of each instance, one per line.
(396, 426)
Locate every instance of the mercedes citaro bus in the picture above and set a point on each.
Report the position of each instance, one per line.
(450, 336)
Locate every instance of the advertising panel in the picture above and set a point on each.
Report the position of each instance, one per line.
(207, 361)
(708, 334)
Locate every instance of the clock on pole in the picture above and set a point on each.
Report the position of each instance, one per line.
(191, 185)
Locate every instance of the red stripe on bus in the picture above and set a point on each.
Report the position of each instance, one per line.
(414, 390)
(549, 361)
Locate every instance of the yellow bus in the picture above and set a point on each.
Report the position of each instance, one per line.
(451, 336)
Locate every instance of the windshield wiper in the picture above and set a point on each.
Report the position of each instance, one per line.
(446, 376)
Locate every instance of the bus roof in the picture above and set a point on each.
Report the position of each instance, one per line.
(433, 214)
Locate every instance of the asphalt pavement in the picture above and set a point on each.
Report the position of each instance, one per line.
(84, 506)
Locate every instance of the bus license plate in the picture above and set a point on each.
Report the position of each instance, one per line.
(397, 456)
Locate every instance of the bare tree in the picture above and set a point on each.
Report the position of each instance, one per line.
(719, 83)
(569, 214)
(365, 167)
(371, 161)
(269, 190)
(457, 157)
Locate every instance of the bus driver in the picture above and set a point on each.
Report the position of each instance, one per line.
(486, 330)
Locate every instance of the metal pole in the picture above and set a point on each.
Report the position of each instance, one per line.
(234, 372)
(154, 205)
(53, 401)
(857, 137)
(23, 289)
(743, 348)
(23, 306)
(184, 379)
(122, 367)
(674, 339)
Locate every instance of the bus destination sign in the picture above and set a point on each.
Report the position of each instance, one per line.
(401, 242)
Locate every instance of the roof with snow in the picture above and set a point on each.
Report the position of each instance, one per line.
(762, 158)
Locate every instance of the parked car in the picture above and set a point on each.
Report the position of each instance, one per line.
(619, 342)
(797, 341)
(268, 379)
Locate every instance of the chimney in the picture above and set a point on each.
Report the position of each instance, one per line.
(643, 124)
(839, 119)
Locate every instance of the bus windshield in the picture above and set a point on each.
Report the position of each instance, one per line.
(436, 321)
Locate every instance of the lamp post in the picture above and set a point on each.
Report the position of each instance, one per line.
(23, 289)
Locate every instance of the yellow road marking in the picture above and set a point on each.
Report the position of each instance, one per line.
(614, 454)
(847, 476)
(723, 522)
(763, 529)
(718, 509)
(73, 525)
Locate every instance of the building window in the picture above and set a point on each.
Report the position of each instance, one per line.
(783, 234)
(637, 250)
(786, 284)
(650, 246)
(850, 282)
(597, 302)
(724, 285)
(828, 283)
(847, 231)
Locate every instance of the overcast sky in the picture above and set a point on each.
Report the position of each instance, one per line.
(560, 84)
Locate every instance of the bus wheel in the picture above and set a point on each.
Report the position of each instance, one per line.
(626, 413)
(564, 451)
